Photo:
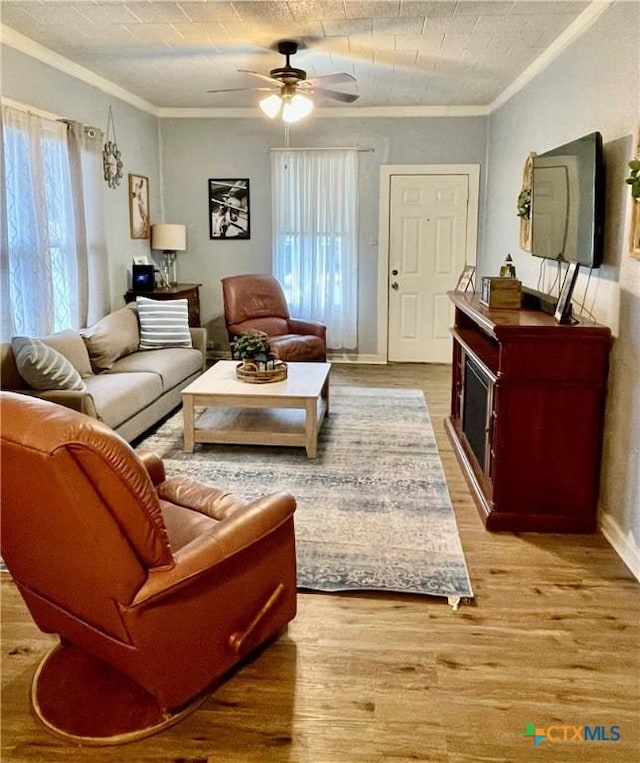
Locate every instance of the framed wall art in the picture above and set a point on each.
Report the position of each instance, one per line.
(229, 213)
(139, 206)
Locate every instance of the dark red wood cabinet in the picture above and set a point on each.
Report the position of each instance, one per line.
(527, 414)
(188, 291)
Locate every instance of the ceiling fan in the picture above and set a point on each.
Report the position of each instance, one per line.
(290, 88)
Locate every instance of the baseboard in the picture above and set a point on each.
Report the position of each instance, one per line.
(344, 357)
(338, 357)
(622, 544)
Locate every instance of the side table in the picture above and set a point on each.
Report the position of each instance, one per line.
(189, 291)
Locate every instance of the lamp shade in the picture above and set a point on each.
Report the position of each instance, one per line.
(171, 238)
(271, 106)
(296, 108)
(290, 108)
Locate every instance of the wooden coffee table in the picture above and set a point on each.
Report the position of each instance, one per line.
(288, 412)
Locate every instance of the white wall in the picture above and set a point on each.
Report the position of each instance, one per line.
(40, 86)
(194, 150)
(593, 85)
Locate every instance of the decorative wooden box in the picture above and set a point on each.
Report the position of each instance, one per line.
(501, 292)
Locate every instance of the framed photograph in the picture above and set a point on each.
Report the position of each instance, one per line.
(229, 213)
(563, 308)
(139, 206)
(466, 277)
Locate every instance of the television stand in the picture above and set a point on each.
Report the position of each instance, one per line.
(527, 410)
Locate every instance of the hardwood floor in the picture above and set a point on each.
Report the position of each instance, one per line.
(552, 638)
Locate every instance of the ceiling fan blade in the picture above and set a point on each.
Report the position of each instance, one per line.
(241, 89)
(336, 95)
(338, 77)
(262, 76)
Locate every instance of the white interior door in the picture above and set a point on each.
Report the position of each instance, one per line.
(427, 252)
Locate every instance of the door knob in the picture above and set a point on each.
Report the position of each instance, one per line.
(395, 286)
(394, 272)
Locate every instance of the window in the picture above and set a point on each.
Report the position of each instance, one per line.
(40, 262)
(315, 238)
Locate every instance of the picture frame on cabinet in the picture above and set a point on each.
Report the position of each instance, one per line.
(563, 308)
(466, 278)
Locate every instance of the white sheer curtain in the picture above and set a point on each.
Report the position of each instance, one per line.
(40, 258)
(85, 159)
(54, 255)
(315, 238)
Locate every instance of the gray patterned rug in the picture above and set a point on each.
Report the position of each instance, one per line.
(373, 509)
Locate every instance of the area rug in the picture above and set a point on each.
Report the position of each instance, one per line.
(374, 511)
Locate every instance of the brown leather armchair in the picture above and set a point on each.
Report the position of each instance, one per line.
(167, 581)
(258, 302)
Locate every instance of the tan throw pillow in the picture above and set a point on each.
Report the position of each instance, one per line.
(42, 367)
(112, 337)
(69, 343)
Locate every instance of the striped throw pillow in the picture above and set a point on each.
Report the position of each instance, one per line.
(42, 367)
(163, 323)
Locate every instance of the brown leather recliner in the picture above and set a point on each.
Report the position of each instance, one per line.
(168, 581)
(258, 302)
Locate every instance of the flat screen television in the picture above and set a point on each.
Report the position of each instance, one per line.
(567, 202)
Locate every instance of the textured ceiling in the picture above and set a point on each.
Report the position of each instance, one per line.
(402, 53)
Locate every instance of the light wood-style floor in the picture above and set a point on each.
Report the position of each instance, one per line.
(552, 638)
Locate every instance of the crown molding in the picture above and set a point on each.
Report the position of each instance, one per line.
(558, 46)
(34, 49)
(336, 113)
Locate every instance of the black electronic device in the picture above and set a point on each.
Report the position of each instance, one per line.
(567, 202)
(142, 278)
(538, 300)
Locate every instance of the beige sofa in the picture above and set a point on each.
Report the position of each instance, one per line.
(128, 389)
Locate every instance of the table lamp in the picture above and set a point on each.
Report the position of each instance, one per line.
(171, 239)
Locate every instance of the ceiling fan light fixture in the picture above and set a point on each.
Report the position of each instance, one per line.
(297, 108)
(271, 105)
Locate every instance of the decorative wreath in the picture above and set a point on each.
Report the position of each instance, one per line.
(111, 157)
(112, 164)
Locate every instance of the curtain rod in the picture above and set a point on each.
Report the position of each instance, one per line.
(29, 109)
(365, 149)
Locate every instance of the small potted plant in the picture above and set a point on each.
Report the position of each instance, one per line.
(250, 345)
(254, 351)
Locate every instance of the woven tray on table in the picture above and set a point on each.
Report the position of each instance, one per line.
(254, 376)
